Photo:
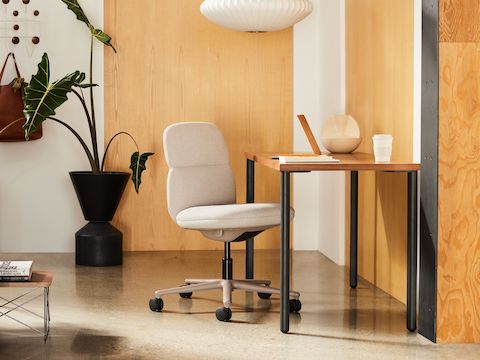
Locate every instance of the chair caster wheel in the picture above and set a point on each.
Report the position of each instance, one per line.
(295, 305)
(187, 295)
(156, 304)
(223, 314)
(264, 296)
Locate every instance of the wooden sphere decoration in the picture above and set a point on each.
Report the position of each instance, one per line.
(340, 134)
(15, 40)
(35, 40)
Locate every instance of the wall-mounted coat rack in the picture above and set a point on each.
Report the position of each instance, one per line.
(20, 27)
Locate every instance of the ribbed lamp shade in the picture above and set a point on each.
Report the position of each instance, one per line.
(256, 15)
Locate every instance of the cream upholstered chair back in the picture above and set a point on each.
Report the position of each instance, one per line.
(199, 170)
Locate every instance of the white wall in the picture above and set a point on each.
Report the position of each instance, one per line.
(39, 211)
(319, 92)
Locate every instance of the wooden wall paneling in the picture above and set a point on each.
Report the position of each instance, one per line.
(379, 93)
(458, 297)
(458, 274)
(456, 23)
(358, 81)
(173, 65)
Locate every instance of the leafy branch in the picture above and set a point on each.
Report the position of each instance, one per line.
(137, 161)
(43, 97)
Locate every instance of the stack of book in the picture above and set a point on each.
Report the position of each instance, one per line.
(306, 159)
(15, 271)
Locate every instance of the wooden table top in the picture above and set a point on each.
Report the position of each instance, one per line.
(39, 279)
(348, 162)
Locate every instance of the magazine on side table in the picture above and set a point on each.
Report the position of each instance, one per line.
(15, 271)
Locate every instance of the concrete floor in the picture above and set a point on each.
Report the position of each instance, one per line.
(103, 313)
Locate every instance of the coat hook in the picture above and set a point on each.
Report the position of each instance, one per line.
(15, 40)
(26, 2)
(35, 40)
(16, 27)
(36, 13)
(15, 13)
(5, 1)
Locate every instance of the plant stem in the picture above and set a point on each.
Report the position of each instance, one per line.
(85, 108)
(93, 127)
(110, 143)
(93, 164)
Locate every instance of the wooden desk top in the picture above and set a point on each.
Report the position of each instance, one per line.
(39, 279)
(348, 162)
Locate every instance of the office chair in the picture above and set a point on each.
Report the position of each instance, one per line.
(201, 196)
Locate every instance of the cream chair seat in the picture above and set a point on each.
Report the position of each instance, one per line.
(229, 222)
(201, 196)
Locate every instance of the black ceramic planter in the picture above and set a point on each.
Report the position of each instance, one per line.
(99, 243)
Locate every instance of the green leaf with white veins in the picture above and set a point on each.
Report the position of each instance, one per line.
(98, 34)
(138, 166)
(75, 7)
(42, 98)
(102, 37)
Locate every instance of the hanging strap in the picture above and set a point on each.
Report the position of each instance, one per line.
(5, 65)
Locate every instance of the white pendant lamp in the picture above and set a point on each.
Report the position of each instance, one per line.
(256, 15)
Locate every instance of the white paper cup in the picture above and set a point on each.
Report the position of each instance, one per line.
(382, 147)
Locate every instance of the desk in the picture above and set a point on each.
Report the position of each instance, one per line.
(40, 280)
(348, 162)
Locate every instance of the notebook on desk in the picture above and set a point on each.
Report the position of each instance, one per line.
(316, 157)
(306, 159)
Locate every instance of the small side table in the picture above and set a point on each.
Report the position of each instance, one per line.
(39, 285)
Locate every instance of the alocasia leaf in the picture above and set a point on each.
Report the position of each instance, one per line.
(138, 166)
(102, 37)
(42, 98)
(75, 7)
(79, 83)
(85, 86)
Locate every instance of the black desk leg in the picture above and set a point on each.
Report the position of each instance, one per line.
(412, 252)
(285, 252)
(353, 228)
(250, 199)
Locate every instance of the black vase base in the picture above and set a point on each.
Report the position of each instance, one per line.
(98, 244)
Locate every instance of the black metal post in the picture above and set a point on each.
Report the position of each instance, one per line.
(412, 252)
(353, 228)
(249, 259)
(428, 252)
(227, 263)
(285, 252)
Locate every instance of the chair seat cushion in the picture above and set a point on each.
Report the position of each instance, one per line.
(248, 217)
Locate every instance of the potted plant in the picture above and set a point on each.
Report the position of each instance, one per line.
(98, 191)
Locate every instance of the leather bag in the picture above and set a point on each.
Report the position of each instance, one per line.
(11, 107)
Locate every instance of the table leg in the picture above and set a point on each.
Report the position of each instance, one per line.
(285, 252)
(412, 252)
(249, 260)
(46, 313)
(353, 228)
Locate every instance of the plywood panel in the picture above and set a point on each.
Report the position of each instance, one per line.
(459, 20)
(173, 65)
(458, 299)
(379, 94)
